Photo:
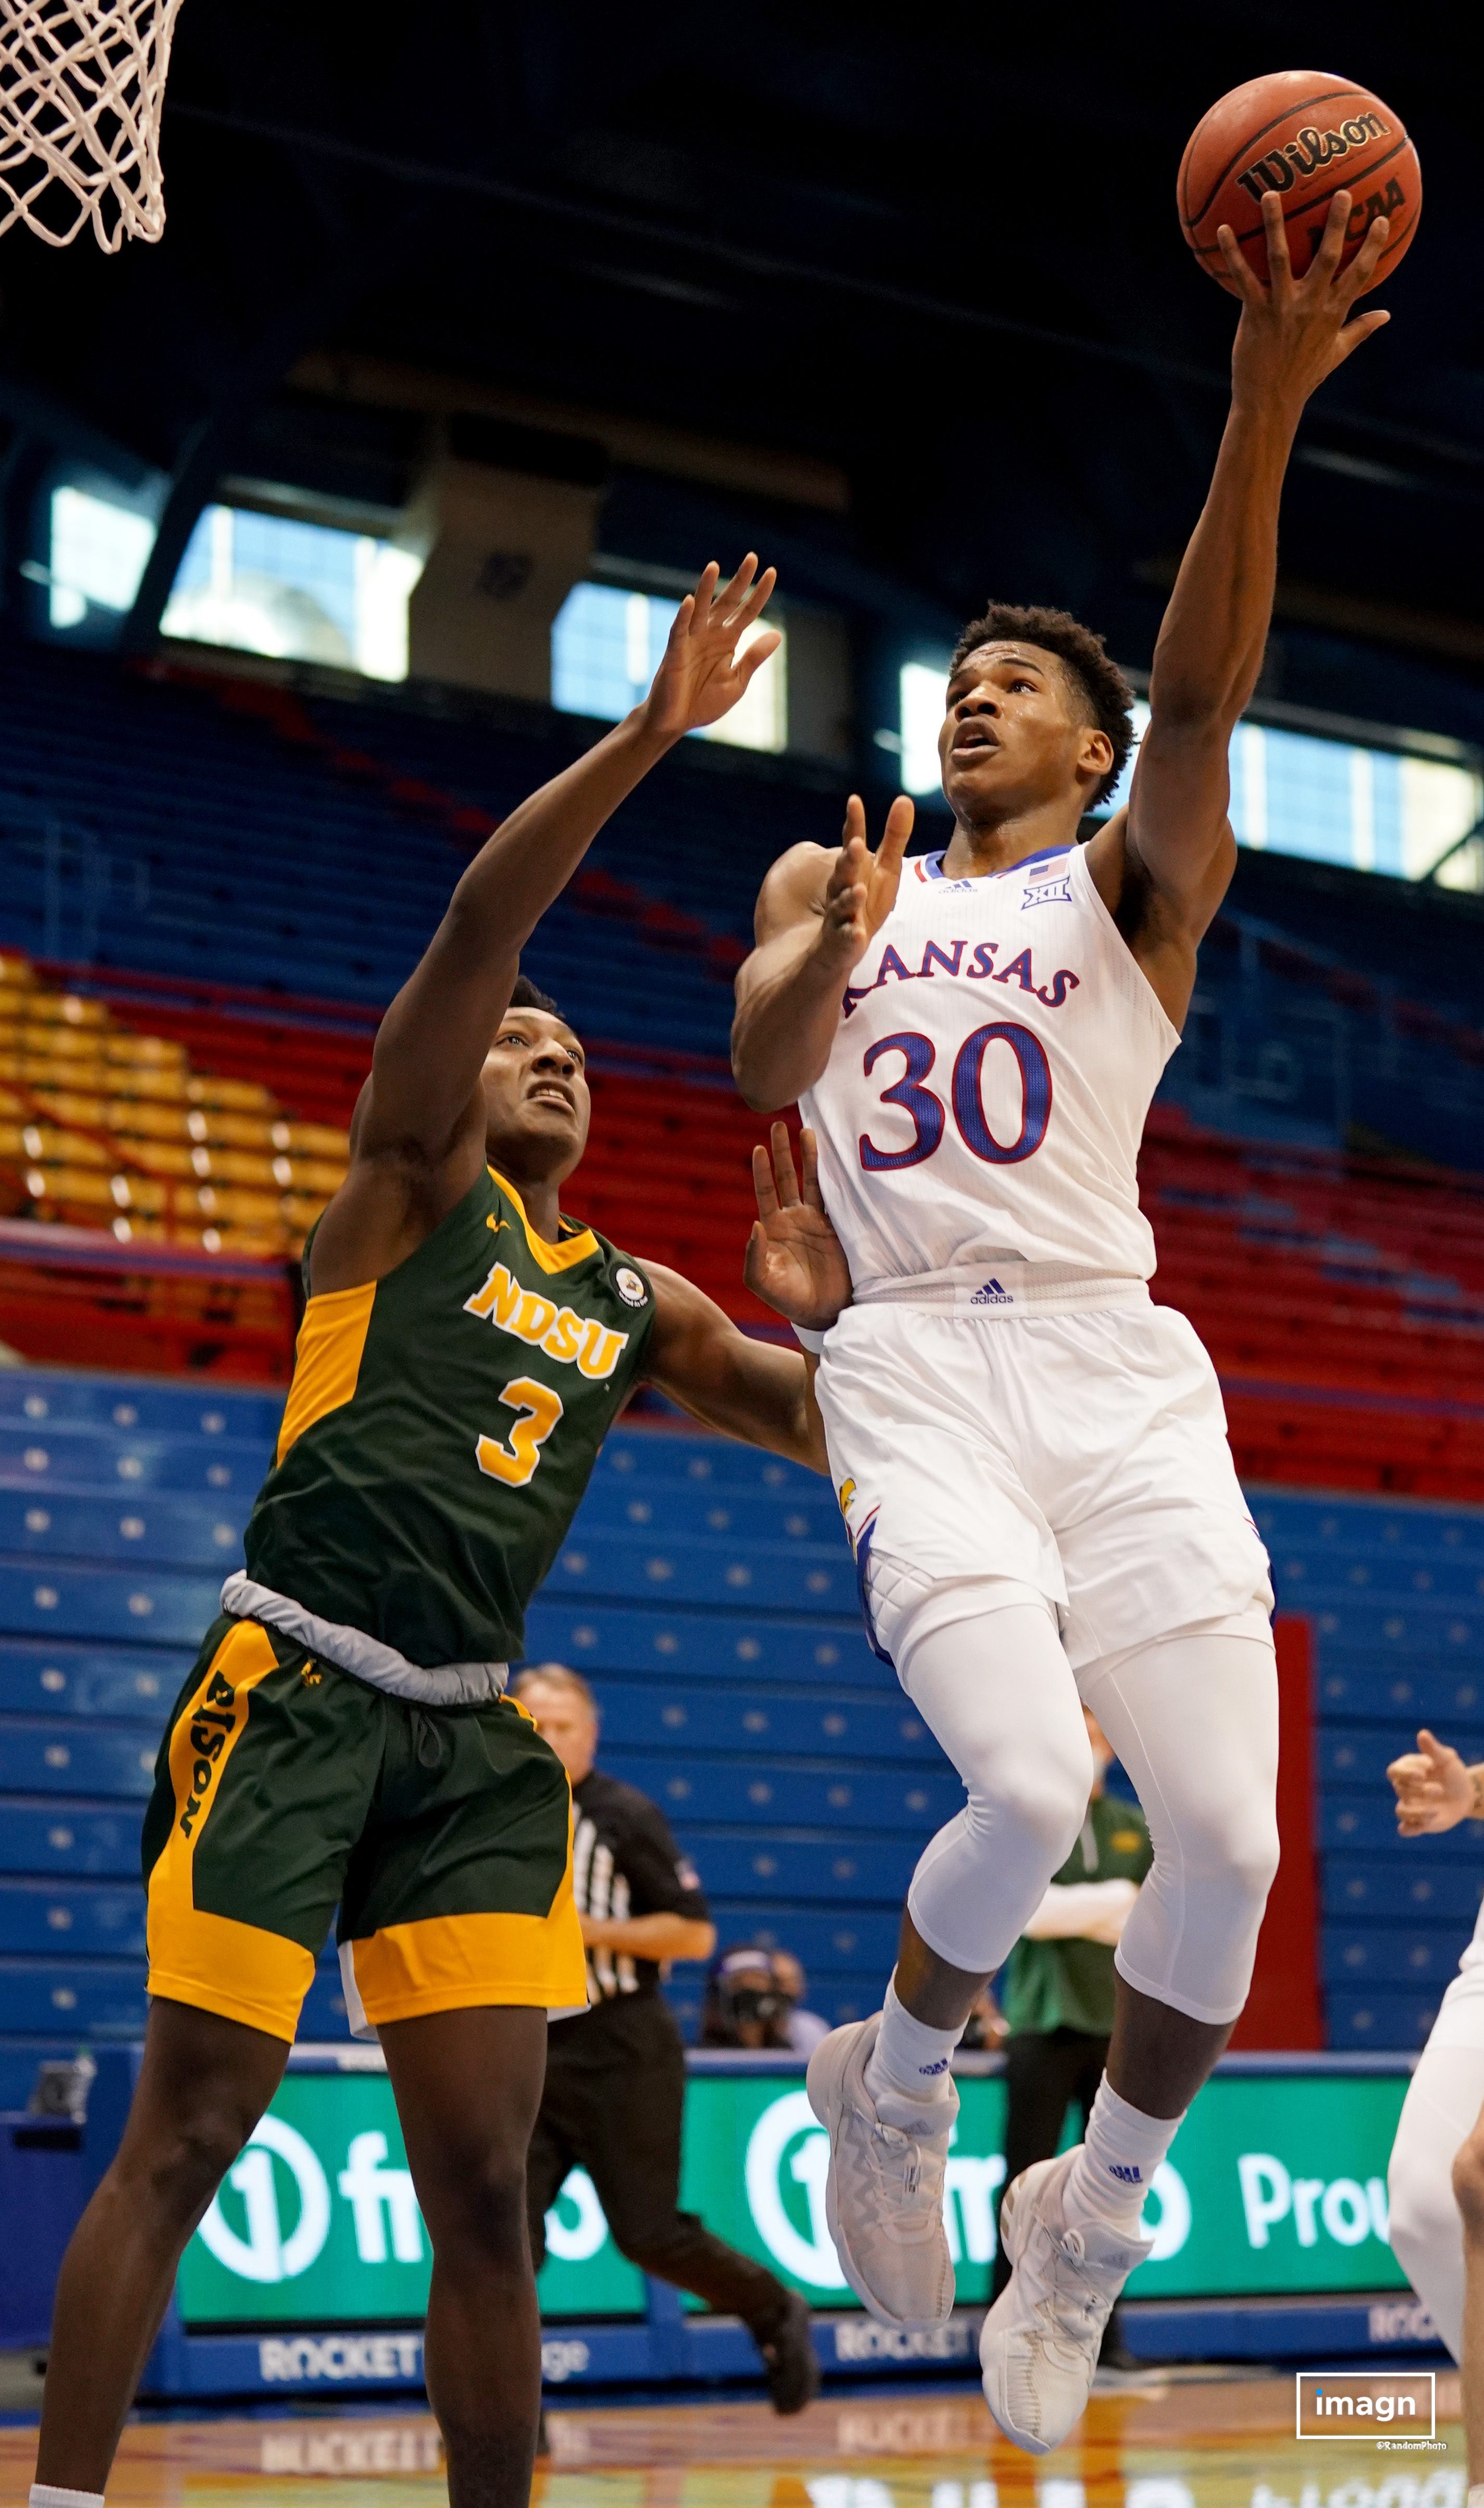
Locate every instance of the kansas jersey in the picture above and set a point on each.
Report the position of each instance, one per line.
(439, 1433)
(986, 1093)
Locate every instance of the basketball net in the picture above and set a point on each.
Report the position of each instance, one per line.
(81, 87)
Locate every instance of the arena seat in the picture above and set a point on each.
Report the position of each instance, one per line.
(748, 1704)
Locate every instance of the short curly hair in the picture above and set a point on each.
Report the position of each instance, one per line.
(1094, 675)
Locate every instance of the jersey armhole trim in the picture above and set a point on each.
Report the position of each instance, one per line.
(1143, 989)
(327, 1359)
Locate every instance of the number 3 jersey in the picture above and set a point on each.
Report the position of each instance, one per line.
(439, 1433)
(980, 1115)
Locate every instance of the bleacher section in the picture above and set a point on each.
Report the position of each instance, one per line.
(104, 1127)
(707, 1590)
(227, 831)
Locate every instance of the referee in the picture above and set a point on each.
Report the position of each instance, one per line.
(615, 2075)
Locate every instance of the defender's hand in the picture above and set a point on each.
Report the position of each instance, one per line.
(703, 674)
(862, 886)
(1434, 1789)
(795, 1261)
(1296, 331)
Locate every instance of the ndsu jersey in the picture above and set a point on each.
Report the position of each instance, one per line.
(986, 1092)
(439, 1433)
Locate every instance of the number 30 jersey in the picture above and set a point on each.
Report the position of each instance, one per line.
(438, 1436)
(980, 1115)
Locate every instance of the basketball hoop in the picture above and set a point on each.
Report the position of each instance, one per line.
(81, 87)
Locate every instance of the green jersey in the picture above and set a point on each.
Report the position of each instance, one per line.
(440, 1430)
(1067, 1983)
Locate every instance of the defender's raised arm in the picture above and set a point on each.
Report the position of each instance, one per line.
(419, 1137)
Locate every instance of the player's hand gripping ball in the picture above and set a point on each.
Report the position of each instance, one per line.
(1304, 137)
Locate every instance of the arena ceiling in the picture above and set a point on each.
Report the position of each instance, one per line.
(937, 253)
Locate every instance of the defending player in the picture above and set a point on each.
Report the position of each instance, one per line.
(1032, 1457)
(343, 1738)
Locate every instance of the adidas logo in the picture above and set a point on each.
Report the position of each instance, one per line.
(992, 1295)
(941, 2066)
(1126, 2176)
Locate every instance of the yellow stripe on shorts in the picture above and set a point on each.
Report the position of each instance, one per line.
(214, 1963)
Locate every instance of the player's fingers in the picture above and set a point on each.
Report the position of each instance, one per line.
(755, 1259)
(680, 624)
(854, 829)
(758, 598)
(784, 1176)
(1276, 237)
(1245, 279)
(896, 833)
(763, 1184)
(1431, 1750)
(705, 594)
(1357, 333)
(808, 1159)
(1326, 261)
(731, 595)
(1357, 275)
(761, 649)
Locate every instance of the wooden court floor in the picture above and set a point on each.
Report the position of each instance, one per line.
(1192, 2443)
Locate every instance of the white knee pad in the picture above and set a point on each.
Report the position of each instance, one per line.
(1194, 1719)
(981, 1661)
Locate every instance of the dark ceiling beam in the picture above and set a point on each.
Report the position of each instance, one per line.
(45, 419)
(773, 270)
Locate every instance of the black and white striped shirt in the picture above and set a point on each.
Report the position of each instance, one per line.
(626, 1862)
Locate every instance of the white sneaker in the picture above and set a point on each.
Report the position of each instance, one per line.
(884, 2195)
(1038, 2347)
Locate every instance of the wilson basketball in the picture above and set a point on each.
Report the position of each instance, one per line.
(1304, 137)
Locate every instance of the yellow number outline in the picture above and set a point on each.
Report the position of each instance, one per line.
(515, 1463)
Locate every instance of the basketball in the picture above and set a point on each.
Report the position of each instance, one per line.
(1304, 136)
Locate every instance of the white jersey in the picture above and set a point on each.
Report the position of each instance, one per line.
(980, 1115)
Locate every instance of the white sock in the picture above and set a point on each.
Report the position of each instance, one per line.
(909, 2058)
(51, 2494)
(1111, 2175)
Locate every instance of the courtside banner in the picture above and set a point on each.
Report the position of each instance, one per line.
(1275, 2186)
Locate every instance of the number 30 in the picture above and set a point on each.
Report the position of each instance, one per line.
(928, 1113)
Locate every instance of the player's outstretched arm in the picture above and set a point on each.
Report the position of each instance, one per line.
(1290, 335)
(816, 915)
(418, 1140)
(796, 1264)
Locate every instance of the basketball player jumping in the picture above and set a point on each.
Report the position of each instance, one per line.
(1031, 1456)
(343, 1738)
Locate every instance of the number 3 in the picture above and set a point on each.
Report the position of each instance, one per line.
(540, 1408)
(928, 1113)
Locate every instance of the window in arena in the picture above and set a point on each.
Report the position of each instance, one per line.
(923, 685)
(98, 552)
(264, 583)
(606, 645)
(1292, 793)
(1337, 801)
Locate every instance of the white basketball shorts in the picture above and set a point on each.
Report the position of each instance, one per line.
(1083, 1454)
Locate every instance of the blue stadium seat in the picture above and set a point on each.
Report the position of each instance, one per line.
(166, 1531)
(81, 1918)
(76, 1453)
(94, 1996)
(38, 1677)
(737, 1687)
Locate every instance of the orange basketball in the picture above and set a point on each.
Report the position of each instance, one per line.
(1304, 137)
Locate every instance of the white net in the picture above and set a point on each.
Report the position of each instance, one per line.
(81, 87)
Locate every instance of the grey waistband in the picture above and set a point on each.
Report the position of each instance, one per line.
(368, 1658)
(1008, 1288)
